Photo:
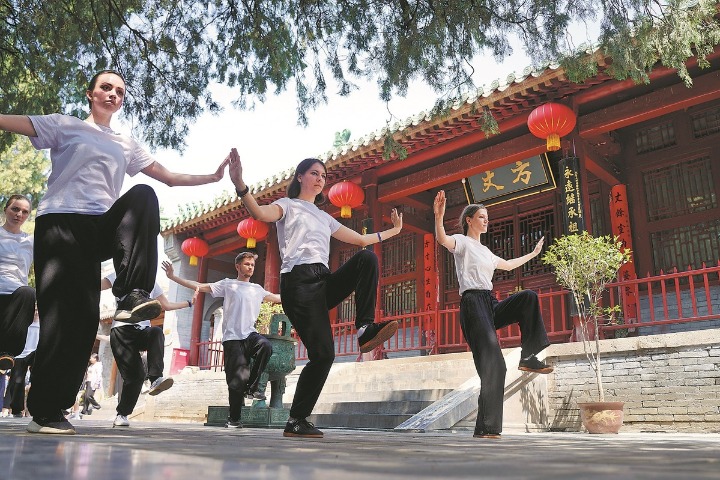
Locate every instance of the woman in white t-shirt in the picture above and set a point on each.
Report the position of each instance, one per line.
(83, 220)
(307, 286)
(481, 314)
(17, 299)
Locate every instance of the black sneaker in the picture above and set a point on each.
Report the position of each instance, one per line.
(136, 307)
(255, 396)
(233, 423)
(301, 428)
(53, 425)
(487, 435)
(7, 361)
(534, 365)
(376, 334)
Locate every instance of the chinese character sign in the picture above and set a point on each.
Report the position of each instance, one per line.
(571, 196)
(429, 273)
(620, 220)
(514, 180)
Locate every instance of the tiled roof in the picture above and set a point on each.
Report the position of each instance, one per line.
(518, 93)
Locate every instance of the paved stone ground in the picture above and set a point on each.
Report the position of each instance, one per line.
(191, 451)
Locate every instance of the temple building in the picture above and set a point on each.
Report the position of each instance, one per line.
(641, 163)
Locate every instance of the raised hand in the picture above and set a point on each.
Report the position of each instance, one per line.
(439, 204)
(235, 169)
(538, 247)
(396, 219)
(168, 268)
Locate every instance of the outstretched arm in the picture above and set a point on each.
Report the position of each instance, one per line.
(264, 213)
(347, 235)
(161, 174)
(519, 261)
(197, 286)
(167, 305)
(20, 124)
(273, 298)
(439, 213)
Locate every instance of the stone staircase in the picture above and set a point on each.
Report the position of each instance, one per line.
(384, 394)
(418, 394)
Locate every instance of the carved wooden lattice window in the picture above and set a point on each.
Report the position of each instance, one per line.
(680, 189)
(686, 246)
(598, 221)
(398, 255)
(533, 227)
(450, 280)
(346, 309)
(706, 123)
(501, 242)
(655, 138)
(399, 298)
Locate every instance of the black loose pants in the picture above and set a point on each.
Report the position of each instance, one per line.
(238, 374)
(308, 292)
(126, 343)
(481, 314)
(68, 251)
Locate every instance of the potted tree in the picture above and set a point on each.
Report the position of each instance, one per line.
(584, 265)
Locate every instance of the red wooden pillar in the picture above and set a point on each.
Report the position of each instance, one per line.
(272, 262)
(622, 229)
(198, 310)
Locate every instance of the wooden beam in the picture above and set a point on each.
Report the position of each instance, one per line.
(227, 245)
(518, 148)
(655, 104)
(597, 165)
(417, 224)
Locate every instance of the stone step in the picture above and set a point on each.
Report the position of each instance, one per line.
(362, 421)
(387, 396)
(371, 408)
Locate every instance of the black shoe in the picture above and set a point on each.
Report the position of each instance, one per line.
(255, 396)
(136, 307)
(534, 365)
(7, 361)
(376, 334)
(53, 425)
(301, 428)
(233, 423)
(487, 435)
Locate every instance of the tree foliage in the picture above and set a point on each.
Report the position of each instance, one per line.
(171, 51)
(23, 170)
(585, 265)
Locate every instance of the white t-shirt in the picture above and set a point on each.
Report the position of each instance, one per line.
(474, 263)
(94, 375)
(89, 163)
(31, 340)
(156, 292)
(303, 233)
(16, 255)
(241, 307)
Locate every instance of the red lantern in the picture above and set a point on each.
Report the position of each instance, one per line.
(253, 230)
(346, 195)
(195, 247)
(551, 121)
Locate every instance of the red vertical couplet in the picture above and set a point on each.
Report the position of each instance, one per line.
(620, 219)
(430, 287)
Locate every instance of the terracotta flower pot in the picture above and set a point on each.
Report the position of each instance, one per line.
(601, 417)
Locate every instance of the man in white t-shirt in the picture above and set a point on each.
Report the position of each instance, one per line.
(241, 342)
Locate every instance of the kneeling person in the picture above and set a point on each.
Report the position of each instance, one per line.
(241, 342)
